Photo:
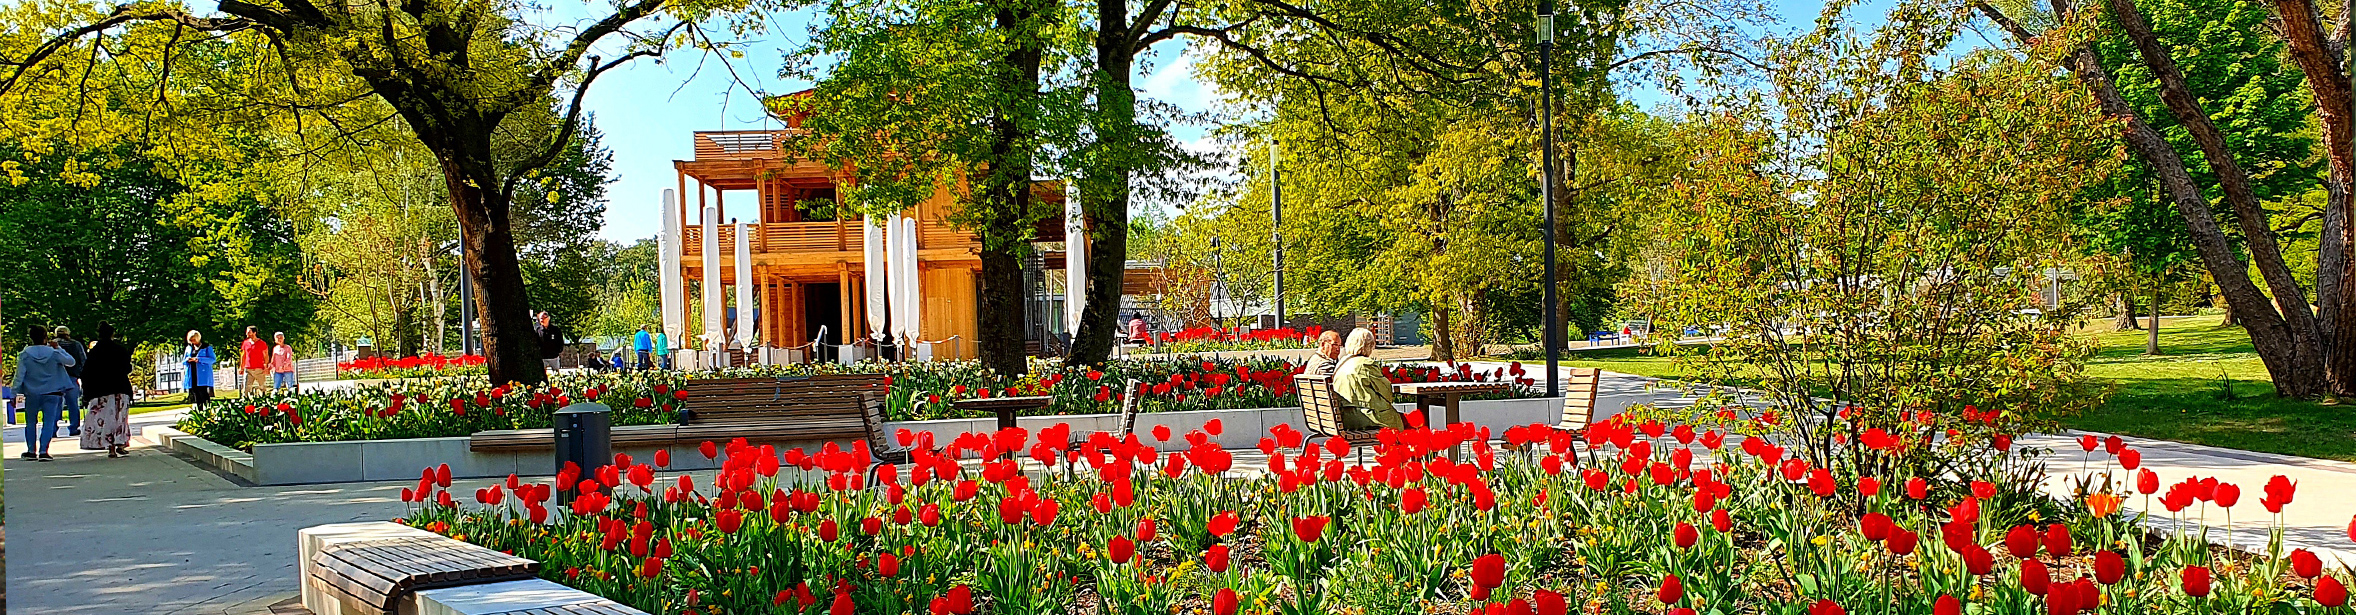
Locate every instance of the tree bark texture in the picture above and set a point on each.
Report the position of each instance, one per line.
(2151, 339)
(1006, 193)
(2125, 319)
(1104, 193)
(2292, 360)
(2322, 59)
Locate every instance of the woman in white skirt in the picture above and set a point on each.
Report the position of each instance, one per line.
(106, 384)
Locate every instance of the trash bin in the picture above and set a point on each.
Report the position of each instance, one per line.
(584, 437)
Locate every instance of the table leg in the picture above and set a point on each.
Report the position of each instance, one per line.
(1448, 400)
(1005, 418)
(1423, 406)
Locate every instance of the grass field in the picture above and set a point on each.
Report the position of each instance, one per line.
(2181, 395)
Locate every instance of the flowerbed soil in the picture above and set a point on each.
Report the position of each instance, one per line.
(1626, 518)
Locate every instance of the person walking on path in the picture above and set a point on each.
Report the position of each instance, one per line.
(254, 356)
(662, 349)
(551, 342)
(198, 379)
(42, 381)
(282, 371)
(645, 346)
(63, 339)
(106, 382)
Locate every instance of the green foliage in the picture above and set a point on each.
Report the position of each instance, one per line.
(122, 242)
(1874, 236)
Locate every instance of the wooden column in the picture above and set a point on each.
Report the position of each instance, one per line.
(843, 296)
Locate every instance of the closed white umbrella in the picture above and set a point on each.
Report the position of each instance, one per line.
(871, 239)
(674, 289)
(1075, 264)
(713, 332)
(911, 296)
(744, 286)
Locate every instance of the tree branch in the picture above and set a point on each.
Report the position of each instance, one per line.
(121, 15)
(1686, 50)
(564, 61)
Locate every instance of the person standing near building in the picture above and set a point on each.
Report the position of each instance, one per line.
(662, 349)
(197, 379)
(106, 382)
(282, 371)
(41, 380)
(63, 339)
(254, 356)
(645, 346)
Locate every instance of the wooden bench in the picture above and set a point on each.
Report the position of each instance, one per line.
(825, 407)
(1128, 424)
(1578, 402)
(1322, 411)
(372, 576)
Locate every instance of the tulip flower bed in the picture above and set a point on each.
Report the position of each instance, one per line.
(1215, 339)
(410, 367)
(1635, 523)
(449, 407)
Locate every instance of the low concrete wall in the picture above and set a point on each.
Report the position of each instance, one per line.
(385, 460)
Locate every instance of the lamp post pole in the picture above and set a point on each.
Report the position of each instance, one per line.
(1218, 291)
(1552, 337)
(1276, 226)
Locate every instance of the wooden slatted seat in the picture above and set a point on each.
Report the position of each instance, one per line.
(826, 407)
(1128, 424)
(1578, 403)
(1322, 411)
(371, 576)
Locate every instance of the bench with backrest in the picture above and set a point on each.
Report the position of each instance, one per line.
(793, 408)
(1578, 403)
(1322, 410)
(1128, 420)
(372, 576)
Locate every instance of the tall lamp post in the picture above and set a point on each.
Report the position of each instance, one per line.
(1553, 334)
(1276, 226)
(1219, 291)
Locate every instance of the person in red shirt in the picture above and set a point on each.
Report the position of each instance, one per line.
(254, 356)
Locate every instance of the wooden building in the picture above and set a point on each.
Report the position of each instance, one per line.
(808, 259)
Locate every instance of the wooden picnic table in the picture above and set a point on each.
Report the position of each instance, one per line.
(1004, 407)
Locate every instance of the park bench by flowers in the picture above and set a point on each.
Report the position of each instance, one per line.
(758, 409)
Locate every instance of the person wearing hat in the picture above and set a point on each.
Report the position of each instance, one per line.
(106, 383)
(65, 341)
(197, 379)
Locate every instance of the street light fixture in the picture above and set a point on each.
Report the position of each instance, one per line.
(1552, 337)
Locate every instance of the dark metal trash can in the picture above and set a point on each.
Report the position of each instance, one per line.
(584, 438)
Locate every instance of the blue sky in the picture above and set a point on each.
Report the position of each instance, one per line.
(648, 110)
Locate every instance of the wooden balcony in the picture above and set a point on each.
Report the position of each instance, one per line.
(742, 144)
(807, 237)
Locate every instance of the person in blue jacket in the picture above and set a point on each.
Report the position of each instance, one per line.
(42, 379)
(199, 377)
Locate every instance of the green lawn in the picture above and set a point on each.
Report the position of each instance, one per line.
(2179, 395)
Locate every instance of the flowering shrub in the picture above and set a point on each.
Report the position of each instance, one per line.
(410, 367)
(1638, 522)
(914, 391)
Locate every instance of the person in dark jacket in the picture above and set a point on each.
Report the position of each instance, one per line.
(42, 381)
(73, 397)
(551, 342)
(106, 384)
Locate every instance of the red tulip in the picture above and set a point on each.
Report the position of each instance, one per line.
(1216, 558)
(1223, 524)
(1874, 526)
(2196, 581)
(710, 450)
(1120, 549)
(1672, 590)
(2225, 495)
(1983, 489)
(2329, 592)
(1488, 571)
(2057, 540)
(2278, 493)
(651, 568)
(2146, 482)
(1902, 541)
(1721, 521)
(2305, 564)
(1826, 607)
(2034, 577)
(1978, 561)
(2109, 567)
(1043, 513)
(1686, 535)
(2087, 442)
(2130, 459)
(827, 531)
(1309, 529)
(887, 564)
(1412, 500)
(842, 604)
(1918, 488)
(2021, 542)
(1550, 603)
(1947, 605)
(1225, 602)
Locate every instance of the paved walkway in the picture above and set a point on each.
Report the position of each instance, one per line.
(154, 533)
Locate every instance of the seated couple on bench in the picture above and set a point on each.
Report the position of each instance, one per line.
(1344, 391)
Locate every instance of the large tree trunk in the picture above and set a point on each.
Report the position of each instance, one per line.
(1104, 191)
(2151, 340)
(1443, 334)
(1006, 193)
(2125, 319)
(2292, 360)
(2328, 78)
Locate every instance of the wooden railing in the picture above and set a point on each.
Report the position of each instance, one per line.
(736, 144)
(822, 236)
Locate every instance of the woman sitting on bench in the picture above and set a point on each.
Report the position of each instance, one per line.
(1360, 383)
